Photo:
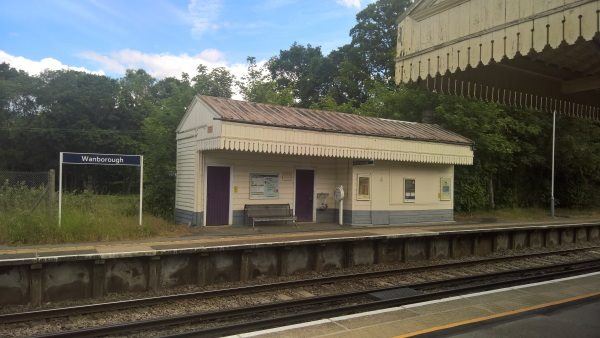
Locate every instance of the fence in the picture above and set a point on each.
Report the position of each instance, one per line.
(25, 192)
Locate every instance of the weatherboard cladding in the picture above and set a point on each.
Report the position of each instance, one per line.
(326, 121)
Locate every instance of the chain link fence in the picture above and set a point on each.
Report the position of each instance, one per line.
(26, 192)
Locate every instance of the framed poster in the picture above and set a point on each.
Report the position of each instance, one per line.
(410, 190)
(264, 186)
(364, 187)
(445, 189)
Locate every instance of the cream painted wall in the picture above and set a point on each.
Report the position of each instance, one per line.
(245, 163)
(387, 186)
(387, 180)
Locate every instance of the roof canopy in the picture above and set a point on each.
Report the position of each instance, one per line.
(219, 123)
(541, 54)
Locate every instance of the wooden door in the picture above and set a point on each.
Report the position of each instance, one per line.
(305, 180)
(217, 195)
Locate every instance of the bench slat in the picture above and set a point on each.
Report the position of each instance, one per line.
(269, 212)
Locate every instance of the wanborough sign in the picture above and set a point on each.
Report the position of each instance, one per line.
(100, 159)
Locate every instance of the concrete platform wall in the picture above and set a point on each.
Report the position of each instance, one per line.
(56, 279)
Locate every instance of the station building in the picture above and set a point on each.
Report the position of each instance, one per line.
(233, 153)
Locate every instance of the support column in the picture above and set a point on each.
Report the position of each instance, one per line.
(318, 263)
(245, 265)
(380, 248)
(35, 285)
(282, 262)
(203, 266)
(154, 273)
(348, 255)
(98, 278)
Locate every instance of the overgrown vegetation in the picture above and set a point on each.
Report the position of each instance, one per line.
(86, 218)
(73, 111)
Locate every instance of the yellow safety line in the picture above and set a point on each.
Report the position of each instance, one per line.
(497, 315)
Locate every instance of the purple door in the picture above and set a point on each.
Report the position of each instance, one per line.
(305, 180)
(217, 195)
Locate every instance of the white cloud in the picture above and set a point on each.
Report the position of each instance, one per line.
(158, 65)
(349, 3)
(161, 65)
(165, 64)
(34, 67)
(203, 15)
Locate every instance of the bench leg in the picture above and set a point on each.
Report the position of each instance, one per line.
(253, 228)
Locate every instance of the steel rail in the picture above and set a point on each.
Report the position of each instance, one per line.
(148, 301)
(494, 280)
(375, 305)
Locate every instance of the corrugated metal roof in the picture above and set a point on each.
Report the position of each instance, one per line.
(327, 121)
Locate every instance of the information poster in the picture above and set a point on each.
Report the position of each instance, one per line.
(445, 192)
(264, 186)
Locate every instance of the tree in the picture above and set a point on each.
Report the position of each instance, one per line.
(304, 70)
(258, 86)
(217, 82)
(159, 129)
(375, 34)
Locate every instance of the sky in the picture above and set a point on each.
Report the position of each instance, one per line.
(165, 37)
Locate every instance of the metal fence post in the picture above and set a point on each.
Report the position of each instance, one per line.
(51, 187)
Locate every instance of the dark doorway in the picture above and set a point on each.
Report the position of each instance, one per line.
(305, 180)
(217, 195)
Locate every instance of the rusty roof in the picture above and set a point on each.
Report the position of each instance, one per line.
(328, 121)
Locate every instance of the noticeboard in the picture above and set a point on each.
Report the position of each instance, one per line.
(445, 189)
(264, 186)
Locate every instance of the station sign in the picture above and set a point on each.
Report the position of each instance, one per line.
(101, 159)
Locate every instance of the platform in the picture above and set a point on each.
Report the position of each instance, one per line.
(568, 307)
(237, 236)
(49, 273)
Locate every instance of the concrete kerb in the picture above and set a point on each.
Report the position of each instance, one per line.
(250, 246)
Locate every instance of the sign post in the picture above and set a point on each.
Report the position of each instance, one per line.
(100, 159)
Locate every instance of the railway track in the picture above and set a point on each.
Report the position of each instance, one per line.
(220, 323)
(314, 307)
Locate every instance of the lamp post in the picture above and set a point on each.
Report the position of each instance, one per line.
(553, 151)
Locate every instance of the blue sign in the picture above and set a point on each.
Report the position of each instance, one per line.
(101, 159)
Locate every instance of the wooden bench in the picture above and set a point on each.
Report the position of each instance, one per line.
(268, 212)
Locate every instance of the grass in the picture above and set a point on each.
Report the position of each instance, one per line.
(86, 218)
(526, 215)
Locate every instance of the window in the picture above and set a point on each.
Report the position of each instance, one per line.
(445, 191)
(409, 190)
(364, 188)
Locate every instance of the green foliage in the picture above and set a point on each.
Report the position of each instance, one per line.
(258, 86)
(304, 70)
(217, 82)
(86, 218)
(374, 36)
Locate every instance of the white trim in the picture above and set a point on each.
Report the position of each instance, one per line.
(398, 308)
